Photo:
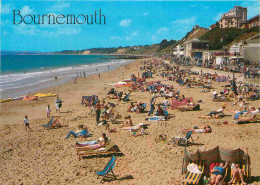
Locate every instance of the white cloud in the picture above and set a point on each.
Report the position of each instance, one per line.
(125, 22)
(26, 29)
(187, 21)
(115, 38)
(160, 34)
(162, 30)
(128, 38)
(155, 38)
(218, 17)
(6, 8)
(145, 14)
(134, 34)
(59, 6)
(68, 31)
(26, 10)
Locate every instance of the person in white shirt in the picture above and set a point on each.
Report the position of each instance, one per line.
(166, 102)
(26, 122)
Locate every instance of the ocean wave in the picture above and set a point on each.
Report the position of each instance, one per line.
(20, 80)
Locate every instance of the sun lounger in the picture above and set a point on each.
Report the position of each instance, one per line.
(194, 178)
(110, 148)
(234, 182)
(222, 182)
(108, 168)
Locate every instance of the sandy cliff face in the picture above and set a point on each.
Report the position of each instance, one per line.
(87, 52)
(121, 51)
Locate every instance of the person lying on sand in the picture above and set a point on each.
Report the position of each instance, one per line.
(128, 122)
(218, 173)
(202, 129)
(215, 114)
(109, 130)
(140, 131)
(83, 133)
(255, 116)
(237, 174)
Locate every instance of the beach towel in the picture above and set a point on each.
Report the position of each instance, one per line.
(176, 103)
(237, 114)
(193, 168)
(157, 118)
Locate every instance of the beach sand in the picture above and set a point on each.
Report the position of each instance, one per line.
(45, 157)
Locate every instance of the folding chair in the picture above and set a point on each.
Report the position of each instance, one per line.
(108, 168)
(185, 141)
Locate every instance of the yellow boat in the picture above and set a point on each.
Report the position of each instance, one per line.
(6, 100)
(43, 95)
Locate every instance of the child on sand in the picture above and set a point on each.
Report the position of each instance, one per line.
(48, 111)
(26, 122)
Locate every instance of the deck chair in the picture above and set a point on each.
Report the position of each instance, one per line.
(50, 123)
(185, 141)
(166, 114)
(126, 98)
(194, 178)
(222, 180)
(108, 168)
(143, 107)
(234, 182)
(110, 149)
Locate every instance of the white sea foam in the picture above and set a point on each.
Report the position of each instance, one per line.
(29, 79)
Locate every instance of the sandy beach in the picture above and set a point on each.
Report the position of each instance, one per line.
(44, 157)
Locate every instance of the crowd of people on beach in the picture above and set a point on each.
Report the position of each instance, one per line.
(106, 112)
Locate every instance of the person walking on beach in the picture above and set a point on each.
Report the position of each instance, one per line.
(58, 104)
(98, 110)
(26, 122)
(48, 111)
(153, 100)
(99, 75)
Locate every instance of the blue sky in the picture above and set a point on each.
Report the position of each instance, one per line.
(127, 23)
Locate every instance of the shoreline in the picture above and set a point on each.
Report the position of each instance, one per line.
(63, 76)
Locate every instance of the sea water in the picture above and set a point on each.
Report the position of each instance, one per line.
(22, 74)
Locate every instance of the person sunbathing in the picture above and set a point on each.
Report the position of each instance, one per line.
(140, 131)
(202, 129)
(83, 133)
(102, 141)
(215, 114)
(109, 130)
(128, 122)
(131, 107)
(218, 173)
(237, 174)
(255, 116)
